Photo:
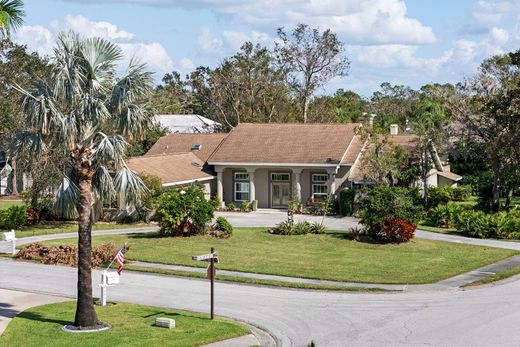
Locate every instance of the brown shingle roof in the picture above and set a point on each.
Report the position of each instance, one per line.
(170, 168)
(182, 143)
(353, 151)
(285, 143)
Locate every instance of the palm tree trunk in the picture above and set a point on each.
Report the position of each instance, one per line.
(85, 313)
(14, 181)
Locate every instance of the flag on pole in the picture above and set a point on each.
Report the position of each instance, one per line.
(120, 259)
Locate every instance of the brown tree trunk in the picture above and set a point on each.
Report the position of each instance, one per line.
(305, 108)
(496, 194)
(509, 197)
(14, 182)
(85, 312)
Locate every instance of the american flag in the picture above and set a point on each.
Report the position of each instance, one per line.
(120, 259)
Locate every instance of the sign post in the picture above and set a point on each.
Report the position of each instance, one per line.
(212, 258)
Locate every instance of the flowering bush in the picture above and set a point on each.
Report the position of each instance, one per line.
(184, 211)
(396, 230)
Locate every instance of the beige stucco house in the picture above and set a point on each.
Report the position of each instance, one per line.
(269, 163)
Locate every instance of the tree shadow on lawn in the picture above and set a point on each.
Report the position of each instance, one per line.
(40, 318)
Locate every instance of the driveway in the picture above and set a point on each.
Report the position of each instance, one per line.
(479, 317)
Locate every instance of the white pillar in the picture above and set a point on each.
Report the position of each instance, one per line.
(220, 186)
(332, 182)
(297, 184)
(252, 190)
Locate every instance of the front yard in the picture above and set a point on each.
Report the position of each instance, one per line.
(328, 256)
(132, 326)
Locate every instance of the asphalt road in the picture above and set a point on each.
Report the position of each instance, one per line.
(479, 317)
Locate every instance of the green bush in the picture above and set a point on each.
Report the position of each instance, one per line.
(462, 193)
(223, 224)
(380, 203)
(300, 228)
(346, 202)
(439, 196)
(485, 225)
(444, 216)
(13, 217)
(184, 211)
(231, 207)
(246, 205)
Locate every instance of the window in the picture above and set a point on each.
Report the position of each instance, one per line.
(319, 186)
(241, 191)
(320, 178)
(280, 177)
(241, 186)
(241, 176)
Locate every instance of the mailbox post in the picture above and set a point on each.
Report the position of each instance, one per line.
(10, 236)
(107, 279)
(212, 258)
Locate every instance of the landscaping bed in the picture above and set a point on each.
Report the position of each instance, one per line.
(131, 326)
(331, 256)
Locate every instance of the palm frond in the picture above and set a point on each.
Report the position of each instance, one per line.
(6, 170)
(129, 186)
(11, 16)
(103, 183)
(136, 83)
(66, 199)
(109, 149)
(29, 142)
(69, 76)
(100, 57)
(133, 121)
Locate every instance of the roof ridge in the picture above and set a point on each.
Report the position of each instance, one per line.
(162, 155)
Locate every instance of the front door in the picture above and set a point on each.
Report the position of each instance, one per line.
(279, 195)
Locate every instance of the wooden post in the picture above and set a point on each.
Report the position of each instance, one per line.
(212, 274)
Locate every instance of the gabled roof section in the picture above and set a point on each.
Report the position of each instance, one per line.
(184, 143)
(353, 150)
(285, 144)
(172, 169)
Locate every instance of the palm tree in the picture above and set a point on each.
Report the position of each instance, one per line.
(11, 16)
(88, 113)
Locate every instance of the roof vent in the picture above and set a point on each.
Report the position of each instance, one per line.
(196, 147)
(195, 164)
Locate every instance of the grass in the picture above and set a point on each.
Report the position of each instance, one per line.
(132, 325)
(45, 228)
(4, 204)
(330, 256)
(255, 281)
(438, 229)
(515, 270)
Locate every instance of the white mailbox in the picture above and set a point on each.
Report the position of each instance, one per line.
(9, 236)
(112, 278)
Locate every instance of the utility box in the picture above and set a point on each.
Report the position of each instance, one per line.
(165, 323)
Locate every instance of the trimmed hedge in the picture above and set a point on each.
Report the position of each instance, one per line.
(346, 202)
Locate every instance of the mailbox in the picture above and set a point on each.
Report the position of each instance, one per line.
(9, 236)
(112, 278)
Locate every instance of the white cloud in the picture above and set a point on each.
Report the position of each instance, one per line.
(229, 41)
(90, 28)
(500, 36)
(187, 64)
(153, 54)
(37, 38)
(493, 12)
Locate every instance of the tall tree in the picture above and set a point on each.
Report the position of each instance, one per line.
(488, 109)
(243, 88)
(11, 17)
(87, 112)
(310, 59)
(392, 104)
(344, 106)
(173, 97)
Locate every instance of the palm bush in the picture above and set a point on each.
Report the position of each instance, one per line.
(87, 113)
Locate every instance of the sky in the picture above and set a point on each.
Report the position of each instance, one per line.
(405, 42)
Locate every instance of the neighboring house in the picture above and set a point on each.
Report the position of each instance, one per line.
(187, 123)
(269, 163)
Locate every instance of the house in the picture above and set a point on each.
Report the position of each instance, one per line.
(187, 123)
(270, 163)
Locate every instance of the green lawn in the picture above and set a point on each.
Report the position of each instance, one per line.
(68, 227)
(132, 325)
(438, 229)
(8, 203)
(328, 256)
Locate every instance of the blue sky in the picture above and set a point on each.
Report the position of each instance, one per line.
(411, 42)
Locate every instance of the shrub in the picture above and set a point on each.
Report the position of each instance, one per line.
(439, 196)
(444, 216)
(300, 228)
(462, 193)
(484, 225)
(246, 205)
(380, 203)
(13, 217)
(346, 202)
(184, 211)
(395, 230)
(146, 208)
(231, 206)
(320, 208)
(222, 228)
